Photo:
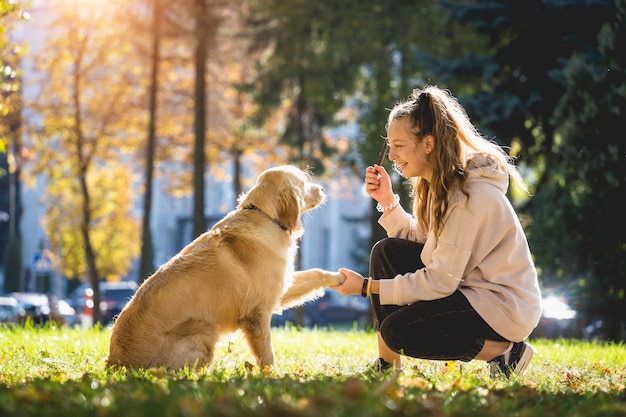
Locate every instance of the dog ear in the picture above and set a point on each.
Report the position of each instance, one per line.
(255, 196)
(289, 206)
(244, 200)
(259, 194)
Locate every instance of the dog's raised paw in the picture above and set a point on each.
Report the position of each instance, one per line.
(336, 278)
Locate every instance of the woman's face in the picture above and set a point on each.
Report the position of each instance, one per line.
(409, 155)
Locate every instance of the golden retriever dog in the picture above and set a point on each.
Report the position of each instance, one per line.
(232, 277)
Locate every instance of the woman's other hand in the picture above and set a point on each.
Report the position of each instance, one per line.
(378, 185)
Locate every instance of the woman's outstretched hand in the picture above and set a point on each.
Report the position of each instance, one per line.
(352, 284)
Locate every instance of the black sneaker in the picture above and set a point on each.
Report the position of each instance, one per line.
(377, 367)
(514, 361)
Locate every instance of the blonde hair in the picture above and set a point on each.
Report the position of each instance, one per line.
(433, 111)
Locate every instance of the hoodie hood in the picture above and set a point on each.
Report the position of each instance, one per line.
(484, 168)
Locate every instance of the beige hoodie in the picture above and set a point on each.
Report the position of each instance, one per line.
(482, 251)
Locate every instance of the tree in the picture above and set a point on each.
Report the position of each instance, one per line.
(307, 70)
(191, 65)
(531, 98)
(146, 262)
(203, 26)
(112, 229)
(83, 132)
(10, 147)
(591, 175)
(238, 137)
(206, 16)
(326, 56)
(228, 130)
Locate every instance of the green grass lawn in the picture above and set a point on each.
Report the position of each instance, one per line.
(61, 372)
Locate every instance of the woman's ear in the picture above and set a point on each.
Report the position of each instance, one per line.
(429, 143)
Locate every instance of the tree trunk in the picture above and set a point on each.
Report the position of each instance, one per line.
(13, 267)
(83, 160)
(237, 173)
(90, 257)
(147, 252)
(199, 158)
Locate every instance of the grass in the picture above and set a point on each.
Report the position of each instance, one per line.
(61, 372)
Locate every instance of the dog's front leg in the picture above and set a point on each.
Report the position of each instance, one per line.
(256, 329)
(308, 285)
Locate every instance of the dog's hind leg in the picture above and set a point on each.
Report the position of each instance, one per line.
(256, 329)
(308, 285)
(191, 343)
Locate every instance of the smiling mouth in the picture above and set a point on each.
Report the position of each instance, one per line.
(399, 167)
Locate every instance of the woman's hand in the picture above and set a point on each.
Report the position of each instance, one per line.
(352, 284)
(378, 185)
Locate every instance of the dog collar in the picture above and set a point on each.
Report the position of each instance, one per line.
(275, 221)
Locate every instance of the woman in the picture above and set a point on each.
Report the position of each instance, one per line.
(455, 280)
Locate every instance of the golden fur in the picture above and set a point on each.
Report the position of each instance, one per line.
(230, 278)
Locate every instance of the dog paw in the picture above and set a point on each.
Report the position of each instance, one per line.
(335, 278)
(322, 277)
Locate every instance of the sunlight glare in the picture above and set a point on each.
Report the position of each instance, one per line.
(554, 307)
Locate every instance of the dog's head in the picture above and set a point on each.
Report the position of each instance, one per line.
(284, 193)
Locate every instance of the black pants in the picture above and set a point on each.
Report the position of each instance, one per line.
(444, 329)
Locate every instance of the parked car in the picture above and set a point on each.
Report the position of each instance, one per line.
(331, 309)
(113, 298)
(39, 308)
(9, 310)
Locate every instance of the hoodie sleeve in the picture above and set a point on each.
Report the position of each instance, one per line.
(446, 260)
(400, 224)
